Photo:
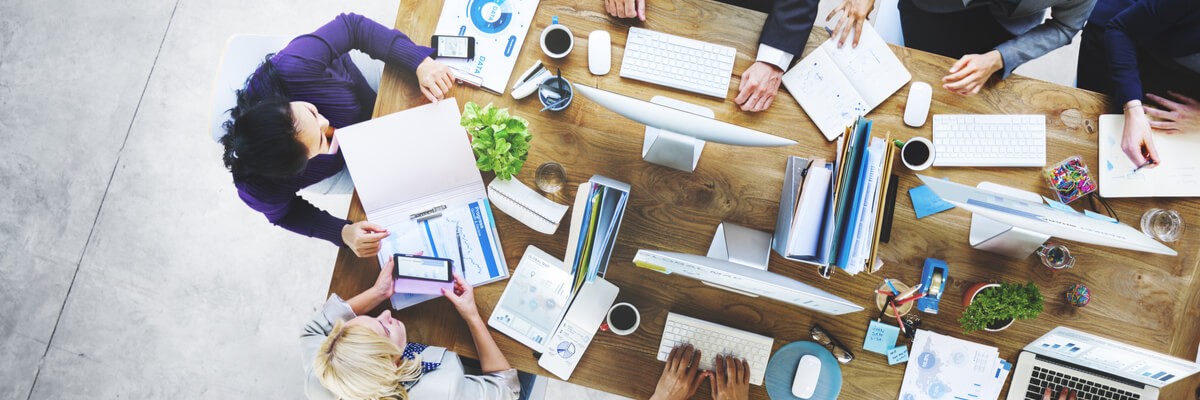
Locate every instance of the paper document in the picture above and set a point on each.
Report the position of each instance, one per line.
(532, 209)
(571, 339)
(943, 367)
(499, 28)
(535, 300)
(810, 210)
(836, 85)
(1177, 176)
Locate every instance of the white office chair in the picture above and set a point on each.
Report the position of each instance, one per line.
(243, 54)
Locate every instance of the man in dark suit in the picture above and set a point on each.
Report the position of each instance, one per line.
(783, 37)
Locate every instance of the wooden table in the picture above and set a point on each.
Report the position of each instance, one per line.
(1148, 300)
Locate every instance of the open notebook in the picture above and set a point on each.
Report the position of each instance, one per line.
(1177, 176)
(835, 86)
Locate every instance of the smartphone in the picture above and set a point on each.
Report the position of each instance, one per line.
(422, 268)
(453, 46)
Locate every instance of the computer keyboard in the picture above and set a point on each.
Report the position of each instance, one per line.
(989, 140)
(678, 62)
(714, 339)
(1083, 389)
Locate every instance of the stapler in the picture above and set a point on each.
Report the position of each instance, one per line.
(933, 284)
(530, 80)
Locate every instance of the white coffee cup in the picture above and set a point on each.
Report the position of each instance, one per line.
(637, 319)
(550, 30)
(904, 153)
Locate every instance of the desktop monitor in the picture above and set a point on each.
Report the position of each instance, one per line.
(744, 280)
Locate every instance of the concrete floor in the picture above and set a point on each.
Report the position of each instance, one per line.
(128, 266)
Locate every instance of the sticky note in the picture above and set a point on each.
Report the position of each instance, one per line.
(926, 203)
(1059, 206)
(1099, 216)
(880, 337)
(897, 355)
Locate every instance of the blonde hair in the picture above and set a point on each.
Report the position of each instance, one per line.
(355, 362)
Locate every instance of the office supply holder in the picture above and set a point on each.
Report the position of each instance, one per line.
(1000, 238)
(670, 149)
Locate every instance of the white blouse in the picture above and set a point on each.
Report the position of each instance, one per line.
(448, 381)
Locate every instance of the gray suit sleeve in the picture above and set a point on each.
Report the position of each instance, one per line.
(311, 337)
(1066, 19)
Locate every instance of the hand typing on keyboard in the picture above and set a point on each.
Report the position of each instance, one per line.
(731, 380)
(1065, 394)
(681, 376)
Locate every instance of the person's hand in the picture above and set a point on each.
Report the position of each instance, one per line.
(462, 297)
(1137, 140)
(435, 79)
(681, 376)
(856, 14)
(1181, 115)
(731, 380)
(969, 74)
(385, 284)
(1065, 394)
(626, 8)
(758, 87)
(363, 237)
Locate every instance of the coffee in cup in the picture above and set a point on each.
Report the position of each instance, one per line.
(917, 153)
(623, 319)
(557, 40)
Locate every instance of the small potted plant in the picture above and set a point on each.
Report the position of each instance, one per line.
(500, 141)
(995, 306)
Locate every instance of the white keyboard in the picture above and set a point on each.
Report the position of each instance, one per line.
(989, 140)
(713, 339)
(678, 62)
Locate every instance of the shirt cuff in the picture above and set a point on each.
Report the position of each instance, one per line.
(774, 56)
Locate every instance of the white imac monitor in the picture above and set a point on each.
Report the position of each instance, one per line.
(1043, 218)
(676, 131)
(744, 280)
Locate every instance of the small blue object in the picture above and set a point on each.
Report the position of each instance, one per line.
(554, 20)
(893, 287)
(781, 371)
(897, 355)
(926, 203)
(1059, 206)
(881, 337)
(933, 286)
(1099, 216)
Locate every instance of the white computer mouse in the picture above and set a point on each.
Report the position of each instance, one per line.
(917, 109)
(599, 52)
(806, 376)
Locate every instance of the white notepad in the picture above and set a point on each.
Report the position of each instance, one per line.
(1177, 176)
(835, 86)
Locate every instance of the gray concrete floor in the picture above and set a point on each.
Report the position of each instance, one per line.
(128, 266)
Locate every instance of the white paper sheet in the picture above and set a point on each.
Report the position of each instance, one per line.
(499, 28)
(535, 300)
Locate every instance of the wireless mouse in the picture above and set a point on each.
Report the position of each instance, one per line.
(599, 52)
(917, 108)
(806, 376)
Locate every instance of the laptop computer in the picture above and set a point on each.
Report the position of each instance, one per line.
(1095, 367)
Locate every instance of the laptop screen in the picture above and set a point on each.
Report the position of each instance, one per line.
(1129, 362)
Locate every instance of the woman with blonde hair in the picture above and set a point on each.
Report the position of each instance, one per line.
(354, 356)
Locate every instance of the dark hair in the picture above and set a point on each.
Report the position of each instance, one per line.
(260, 136)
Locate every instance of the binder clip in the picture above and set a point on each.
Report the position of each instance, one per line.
(933, 284)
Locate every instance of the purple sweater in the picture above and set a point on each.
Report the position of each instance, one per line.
(316, 68)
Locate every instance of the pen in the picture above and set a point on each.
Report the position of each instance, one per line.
(1144, 165)
(910, 299)
(896, 311)
(889, 283)
(908, 293)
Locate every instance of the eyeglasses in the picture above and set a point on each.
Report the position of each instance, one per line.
(839, 352)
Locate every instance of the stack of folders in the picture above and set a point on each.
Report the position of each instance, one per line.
(830, 213)
(599, 207)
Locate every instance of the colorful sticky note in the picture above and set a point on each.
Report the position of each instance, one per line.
(880, 337)
(897, 355)
(1099, 216)
(1059, 206)
(926, 203)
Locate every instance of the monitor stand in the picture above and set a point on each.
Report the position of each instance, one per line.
(741, 245)
(670, 149)
(1000, 238)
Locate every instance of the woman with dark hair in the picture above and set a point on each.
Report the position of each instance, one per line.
(280, 138)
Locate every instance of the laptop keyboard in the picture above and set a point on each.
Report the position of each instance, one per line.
(1086, 389)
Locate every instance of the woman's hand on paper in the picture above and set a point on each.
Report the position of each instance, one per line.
(363, 238)
(1137, 139)
(1181, 115)
(435, 79)
(856, 12)
(463, 298)
(681, 376)
(971, 72)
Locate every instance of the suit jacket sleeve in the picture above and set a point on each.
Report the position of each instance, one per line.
(1066, 19)
(789, 24)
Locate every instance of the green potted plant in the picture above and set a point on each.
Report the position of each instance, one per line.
(994, 307)
(500, 141)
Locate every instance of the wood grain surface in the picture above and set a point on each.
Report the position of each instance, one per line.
(1143, 299)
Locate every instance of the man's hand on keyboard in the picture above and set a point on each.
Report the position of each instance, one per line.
(758, 87)
(1065, 394)
(731, 380)
(626, 8)
(681, 376)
